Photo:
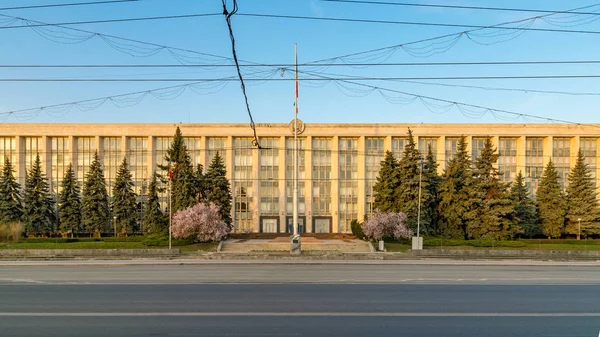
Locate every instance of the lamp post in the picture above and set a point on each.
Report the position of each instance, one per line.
(579, 229)
(115, 224)
(417, 242)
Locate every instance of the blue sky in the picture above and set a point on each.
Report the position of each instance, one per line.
(266, 40)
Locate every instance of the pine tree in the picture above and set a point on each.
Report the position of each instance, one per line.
(38, 210)
(155, 221)
(218, 190)
(454, 196)
(491, 211)
(184, 192)
(386, 187)
(69, 208)
(581, 200)
(429, 207)
(11, 209)
(173, 154)
(200, 183)
(408, 191)
(525, 210)
(95, 210)
(551, 203)
(124, 205)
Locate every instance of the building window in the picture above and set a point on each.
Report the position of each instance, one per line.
(374, 157)
(507, 159)
(289, 175)
(588, 148)
(398, 144)
(33, 147)
(112, 156)
(477, 146)
(8, 150)
(534, 163)
(451, 147)
(321, 176)
(348, 174)
(61, 159)
(163, 144)
(242, 184)
(269, 177)
(215, 145)
(561, 156)
(138, 163)
(425, 143)
(192, 144)
(86, 147)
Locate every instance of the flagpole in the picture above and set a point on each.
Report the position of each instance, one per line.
(295, 160)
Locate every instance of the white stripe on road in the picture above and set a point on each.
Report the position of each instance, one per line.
(296, 314)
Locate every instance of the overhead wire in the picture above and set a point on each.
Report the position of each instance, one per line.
(71, 4)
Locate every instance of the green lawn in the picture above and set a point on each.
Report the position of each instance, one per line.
(524, 244)
(102, 245)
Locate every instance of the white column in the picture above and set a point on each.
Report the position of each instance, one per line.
(19, 165)
(308, 183)
(282, 183)
(335, 184)
(362, 163)
(256, 189)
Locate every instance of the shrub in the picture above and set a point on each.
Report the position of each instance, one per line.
(163, 241)
(200, 222)
(11, 231)
(382, 225)
(357, 229)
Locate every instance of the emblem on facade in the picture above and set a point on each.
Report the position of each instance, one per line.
(300, 128)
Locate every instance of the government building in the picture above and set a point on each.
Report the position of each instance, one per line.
(338, 163)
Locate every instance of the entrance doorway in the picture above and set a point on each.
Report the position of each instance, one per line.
(322, 225)
(301, 224)
(269, 225)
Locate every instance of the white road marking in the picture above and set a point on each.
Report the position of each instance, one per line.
(296, 314)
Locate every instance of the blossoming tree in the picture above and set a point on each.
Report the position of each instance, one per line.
(382, 225)
(201, 221)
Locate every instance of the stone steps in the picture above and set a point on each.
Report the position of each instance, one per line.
(238, 246)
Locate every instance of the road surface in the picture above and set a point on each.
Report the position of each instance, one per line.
(330, 300)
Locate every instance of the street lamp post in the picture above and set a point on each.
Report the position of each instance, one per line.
(115, 224)
(579, 229)
(417, 242)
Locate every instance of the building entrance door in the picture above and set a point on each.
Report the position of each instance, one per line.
(322, 225)
(269, 225)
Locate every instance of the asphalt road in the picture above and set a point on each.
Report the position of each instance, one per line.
(119, 302)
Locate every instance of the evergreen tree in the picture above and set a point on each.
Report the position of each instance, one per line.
(11, 209)
(581, 200)
(124, 205)
(454, 196)
(386, 187)
(69, 207)
(183, 190)
(218, 190)
(155, 221)
(38, 210)
(200, 185)
(95, 210)
(429, 207)
(173, 153)
(408, 191)
(551, 203)
(491, 211)
(525, 210)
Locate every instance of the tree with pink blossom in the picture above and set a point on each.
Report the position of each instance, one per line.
(201, 222)
(391, 224)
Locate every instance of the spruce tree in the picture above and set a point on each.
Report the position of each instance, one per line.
(581, 200)
(69, 207)
(173, 154)
(38, 210)
(408, 191)
(551, 203)
(386, 187)
(11, 209)
(200, 185)
(491, 211)
(95, 210)
(218, 190)
(454, 196)
(124, 205)
(525, 210)
(429, 207)
(183, 190)
(155, 221)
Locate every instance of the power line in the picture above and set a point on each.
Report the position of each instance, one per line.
(406, 4)
(312, 65)
(228, 16)
(448, 40)
(149, 18)
(413, 23)
(67, 4)
(449, 78)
